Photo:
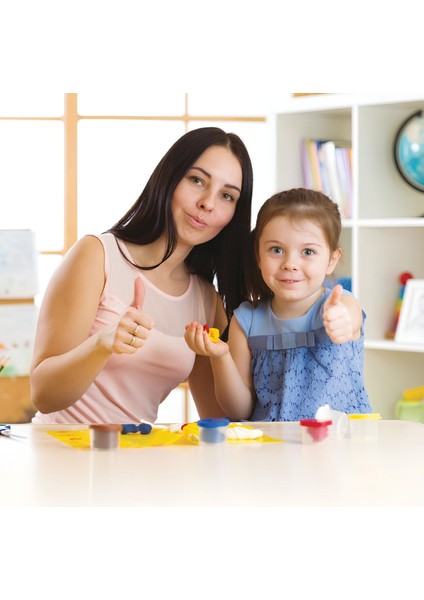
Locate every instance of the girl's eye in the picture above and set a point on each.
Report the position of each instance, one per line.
(276, 250)
(309, 252)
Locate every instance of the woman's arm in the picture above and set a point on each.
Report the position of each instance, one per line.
(202, 389)
(66, 358)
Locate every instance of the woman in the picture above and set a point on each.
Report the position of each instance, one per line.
(110, 336)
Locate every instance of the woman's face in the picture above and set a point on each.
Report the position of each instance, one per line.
(205, 200)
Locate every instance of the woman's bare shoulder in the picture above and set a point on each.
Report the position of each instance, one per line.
(88, 244)
(83, 264)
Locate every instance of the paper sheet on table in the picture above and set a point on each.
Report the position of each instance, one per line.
(157, 437)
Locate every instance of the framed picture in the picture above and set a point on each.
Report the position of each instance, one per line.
(410, 328)
(18, 264)
(17, 332)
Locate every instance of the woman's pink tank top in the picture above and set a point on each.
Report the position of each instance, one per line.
(131, 386)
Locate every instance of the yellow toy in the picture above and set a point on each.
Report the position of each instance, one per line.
(414, 394)
(212, 332)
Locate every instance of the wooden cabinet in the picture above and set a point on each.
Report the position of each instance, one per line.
(15, 403)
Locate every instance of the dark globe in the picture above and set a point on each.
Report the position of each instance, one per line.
(409, 151)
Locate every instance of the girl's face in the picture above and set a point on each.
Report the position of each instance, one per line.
(294, 259)
(205, 200)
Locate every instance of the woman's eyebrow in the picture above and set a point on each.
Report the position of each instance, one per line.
(227, 185)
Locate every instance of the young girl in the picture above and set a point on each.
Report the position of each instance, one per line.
(110, 337)
(297, 344)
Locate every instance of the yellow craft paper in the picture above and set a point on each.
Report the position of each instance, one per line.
(157, 437)
(193, 428)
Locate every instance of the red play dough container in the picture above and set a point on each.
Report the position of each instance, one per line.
(314, 431)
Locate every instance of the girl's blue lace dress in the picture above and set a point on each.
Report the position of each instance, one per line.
(296, 368)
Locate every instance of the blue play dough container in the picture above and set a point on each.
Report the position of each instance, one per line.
(213, 431)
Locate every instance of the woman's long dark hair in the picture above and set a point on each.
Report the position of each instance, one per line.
(151, 215)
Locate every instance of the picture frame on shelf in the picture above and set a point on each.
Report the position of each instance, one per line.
(410, 328)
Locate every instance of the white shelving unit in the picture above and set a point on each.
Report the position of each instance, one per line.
(385, 236)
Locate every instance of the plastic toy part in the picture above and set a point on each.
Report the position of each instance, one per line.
(104, 436)
(364, 426)
(408, 410)
(213, 431)
(365, 416)
(212, 332)
(7, 431)
(154, 425)
(414, 394)
(4, 429)
(403, 278)
(143, 428)
(339, 419)
(314, 430)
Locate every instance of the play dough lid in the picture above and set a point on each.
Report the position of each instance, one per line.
(365, 416)
(212, 423)
(314, 423)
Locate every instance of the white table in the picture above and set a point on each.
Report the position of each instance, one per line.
(39, 470)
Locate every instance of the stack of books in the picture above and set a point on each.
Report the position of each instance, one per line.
(327, 167)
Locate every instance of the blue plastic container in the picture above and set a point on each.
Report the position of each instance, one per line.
(213, 431)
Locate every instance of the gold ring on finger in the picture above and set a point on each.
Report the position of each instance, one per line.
(137, 327)
(133, 338)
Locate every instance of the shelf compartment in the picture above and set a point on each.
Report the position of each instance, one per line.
(382, 193)
(293, 127)
(382, 256)
(387, 375)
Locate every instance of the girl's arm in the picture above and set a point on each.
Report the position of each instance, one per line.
(66, 358)
(232, 382)
(200, 380)
(232, 374)
(342, 316)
